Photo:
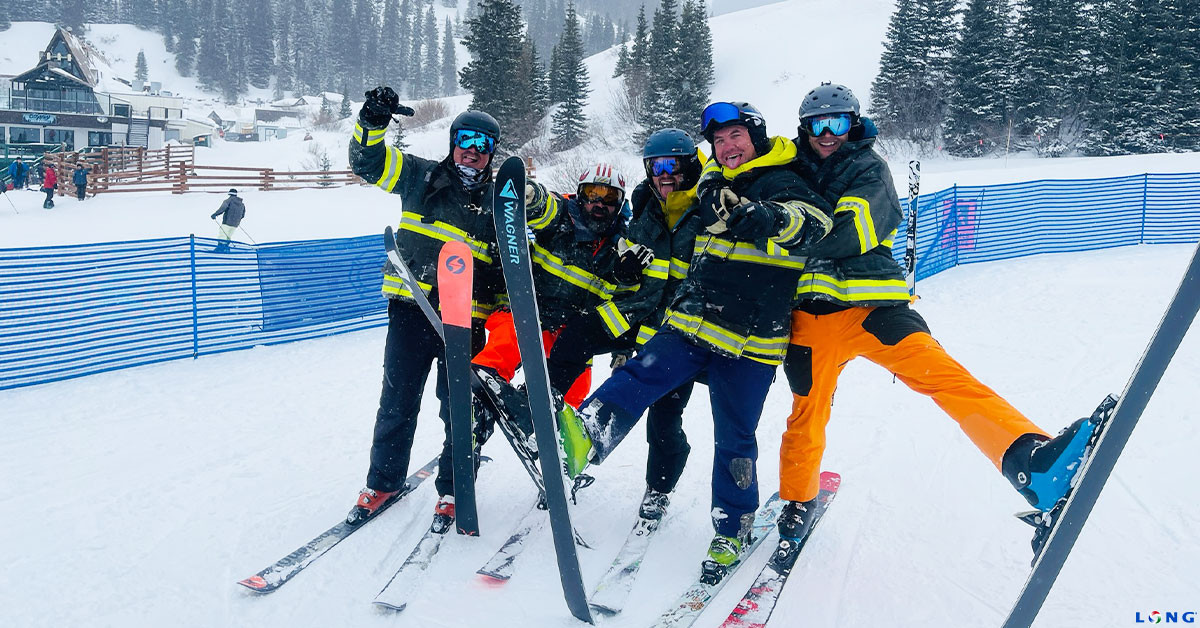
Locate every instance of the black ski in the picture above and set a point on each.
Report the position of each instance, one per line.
(1096, 469)
(456, 271)
(512, 236)
(287, 567)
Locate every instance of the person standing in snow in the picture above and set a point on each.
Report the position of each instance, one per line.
(17, 172)
(231, 211)
(853, 301)
(49, 184)
(729, 319)
(79, 178)
(444, 200)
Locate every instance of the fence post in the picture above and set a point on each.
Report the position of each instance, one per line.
(954, 218)
(1145, 185)
(181, 184)
(195, 301)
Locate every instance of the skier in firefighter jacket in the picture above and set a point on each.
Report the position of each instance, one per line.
(441, 201)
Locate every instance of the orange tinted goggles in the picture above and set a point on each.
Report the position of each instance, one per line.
(599, 193)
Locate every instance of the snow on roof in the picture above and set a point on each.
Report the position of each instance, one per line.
(275, 115)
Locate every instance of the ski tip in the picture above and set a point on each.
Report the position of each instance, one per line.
(255, 583)
(830, 481)
(384, 606)
(491, 580)
(600, 609)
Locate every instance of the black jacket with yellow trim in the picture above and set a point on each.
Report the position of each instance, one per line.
(437, 208)
(737, 297)
(574, 271)
(853, 264)
(672, 246)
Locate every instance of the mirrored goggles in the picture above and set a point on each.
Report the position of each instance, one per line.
(599, 193)
(719, 113)
(836, 123)
(664, 165)
(481, 142)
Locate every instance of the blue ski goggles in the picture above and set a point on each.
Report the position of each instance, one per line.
(719, 113)
(836, 123)
(659, 166)
(481, 142)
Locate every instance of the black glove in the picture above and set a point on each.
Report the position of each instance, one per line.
(619, 358)
(754, 221)
(632, 261)
(381, 103)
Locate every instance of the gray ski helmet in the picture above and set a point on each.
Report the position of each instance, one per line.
(748, 116)
(828, 98)
(673, 143)
(475, 121)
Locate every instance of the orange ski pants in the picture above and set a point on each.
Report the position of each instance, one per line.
(502, 355)
(897, 339)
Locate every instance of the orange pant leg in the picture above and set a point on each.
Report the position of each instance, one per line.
(821, 346)
(984, 416)
(500, 353)
(579, 389)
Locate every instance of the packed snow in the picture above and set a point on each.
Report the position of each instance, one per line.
(140, 497)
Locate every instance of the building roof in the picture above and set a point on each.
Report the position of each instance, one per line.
(274, 115)
(64, 57)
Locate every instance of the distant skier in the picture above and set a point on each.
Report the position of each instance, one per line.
(18, 172)
(442, 200)
(232, 211)
(728, 319)
(853, 301)
(49, 184)
(80, 179)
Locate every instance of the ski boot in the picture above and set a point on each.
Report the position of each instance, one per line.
(573, 437)
(369, 501)
(1044, 470)
(796, 520)
(654, 505)
(724, 553)
(509, 405)
(443, 515)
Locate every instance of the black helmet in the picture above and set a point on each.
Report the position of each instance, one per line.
(475, 121)
(829, 98)
(719, 115)
(673, 143)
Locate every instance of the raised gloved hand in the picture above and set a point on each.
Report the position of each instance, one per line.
(726, 201)
(631, 261)
(753, 221)
(381, 103)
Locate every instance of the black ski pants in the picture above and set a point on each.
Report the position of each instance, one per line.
(412, 345)
(668, 452)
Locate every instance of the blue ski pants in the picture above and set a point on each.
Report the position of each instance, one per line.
(737, 389)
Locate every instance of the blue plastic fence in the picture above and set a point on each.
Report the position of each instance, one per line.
(68, 311)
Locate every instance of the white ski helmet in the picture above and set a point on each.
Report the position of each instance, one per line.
(603, 174)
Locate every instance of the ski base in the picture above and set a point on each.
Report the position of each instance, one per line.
(616, 584)
(286, 568)
(398, 591)
(758, 603)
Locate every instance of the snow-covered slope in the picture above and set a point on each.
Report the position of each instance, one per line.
(140, 497)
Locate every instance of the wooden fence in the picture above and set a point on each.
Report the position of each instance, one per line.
(173, 169)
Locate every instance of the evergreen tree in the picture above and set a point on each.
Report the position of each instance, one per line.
(693, 72)
(495, 40)
(307, 45)
(403, 45)
(555, 92)
(72, 13)
(144, 13)
(260, 48)
(185, 29)
(285, 71)
(432, 75)
(532, 83)
(398, 140)
(211, 60)
(345, 111)
(140, 71)
(343, 53)
(1050, 90)
(661, 94)
(416, 69)
(908, 96)
(980, 80)
(569, 122)
(449, 62)
(366, 69)
(622, 61)
(325, 114)
(389, 51)
(5, 23)
(637, 67)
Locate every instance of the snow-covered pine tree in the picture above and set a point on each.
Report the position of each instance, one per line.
(693, 72)
(431, 86)
(345, 111)
(556, 76)
(1049, 91)
(908, 96)
(5, 23)
(495, 41)
(449, 62)
(212, 61)
(533, 83)
(389, 54)
(980, 80)
(325, 113)
(622, 61)
(260, 48)
(416, 45)
(397, 130)
(185, 31)
(657, 109)
(569, 122)
(637, 69)
(140, 71)
(72, 13)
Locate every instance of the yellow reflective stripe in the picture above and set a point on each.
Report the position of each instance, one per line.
(854, 289)
(679, 268)
(481, 311)
(795, 220)
(765, 350)
(374, 136)
(614, 321)
(393, 284)
(645, 333)
(867, 239)
(658, 269)
(547, 216)
(444, 232)
(775, 255)
(573, 275)
(393, 163)
(888, 241)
